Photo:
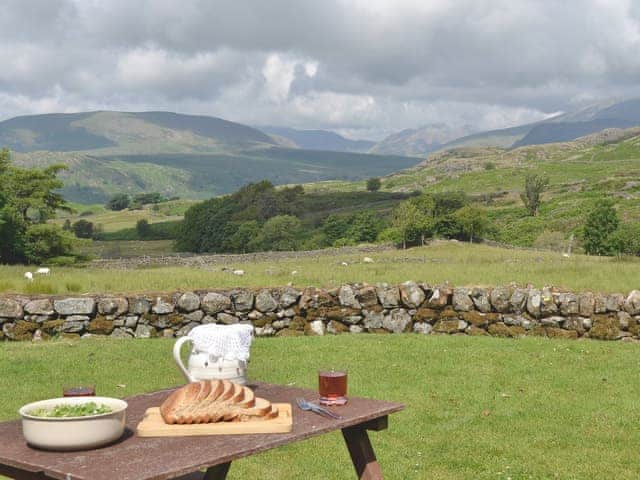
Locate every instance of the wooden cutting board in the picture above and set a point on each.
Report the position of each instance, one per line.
(152, 425)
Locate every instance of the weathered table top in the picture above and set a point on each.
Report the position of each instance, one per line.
(163, 458)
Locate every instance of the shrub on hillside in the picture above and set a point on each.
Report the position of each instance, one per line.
(44, 241)
(373, 184)
(626, 239)
(599, 227)
(83, 229)
(118, 202)
(448, 202)
(143, 228)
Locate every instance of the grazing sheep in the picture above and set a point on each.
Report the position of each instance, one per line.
(43, 271)
(344, 264)
(367, 260)
(295, 272)
(28, 276)
(238, 272)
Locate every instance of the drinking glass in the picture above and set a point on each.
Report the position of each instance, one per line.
(79, 391)
(332, 386)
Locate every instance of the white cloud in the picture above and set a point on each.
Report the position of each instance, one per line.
(278, 73)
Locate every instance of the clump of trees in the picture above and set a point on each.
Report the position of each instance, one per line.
(445, 214)
(261, 217)
(341, 230)
(28, 199)
(120, 201)
(240, 222)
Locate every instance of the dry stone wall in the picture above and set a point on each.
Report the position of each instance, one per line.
(505, 311)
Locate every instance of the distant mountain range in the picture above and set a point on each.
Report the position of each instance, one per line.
(195, 156)
(317, 140)
(177, 155)
(560, 128)
(419, 142)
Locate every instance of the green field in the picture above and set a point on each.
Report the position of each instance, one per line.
(458, 263)
(111, 221)
(476, 408)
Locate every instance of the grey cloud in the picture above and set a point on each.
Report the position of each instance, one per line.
(359, 66)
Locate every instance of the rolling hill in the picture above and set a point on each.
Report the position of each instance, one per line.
(177, 155)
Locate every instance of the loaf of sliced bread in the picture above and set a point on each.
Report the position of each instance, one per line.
(209, 401)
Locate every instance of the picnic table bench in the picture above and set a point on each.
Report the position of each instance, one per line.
(185, 457)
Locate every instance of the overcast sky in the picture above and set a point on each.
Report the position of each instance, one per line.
(363, 67)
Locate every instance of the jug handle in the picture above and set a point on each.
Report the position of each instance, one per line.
(178, 359)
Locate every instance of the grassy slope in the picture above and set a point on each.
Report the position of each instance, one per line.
(458, 263)
(580, 174)
(477, 408)
(93, 179)
(177, 155)
(113, 221)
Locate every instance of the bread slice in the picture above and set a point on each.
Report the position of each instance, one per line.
(238, 394)
(215, 400)
(263, 410)
(249, 398)
(186, 414)
(178, 400)
(227, 391)
(196, 412)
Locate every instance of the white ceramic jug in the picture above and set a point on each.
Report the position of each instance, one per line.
(201, 365)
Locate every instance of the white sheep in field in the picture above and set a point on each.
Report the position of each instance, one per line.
(295, 272)
(344, 264)
(238, 272)
(367, 260)
(43, 271)
(28, 276)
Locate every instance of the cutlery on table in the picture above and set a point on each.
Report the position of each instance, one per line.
(305, 405)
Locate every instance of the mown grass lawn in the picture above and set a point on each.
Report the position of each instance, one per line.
(477, 408)
(459, 263)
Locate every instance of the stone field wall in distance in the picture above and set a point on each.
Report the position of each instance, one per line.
(506, 311)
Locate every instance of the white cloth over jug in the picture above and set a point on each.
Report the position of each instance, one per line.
(217, 352)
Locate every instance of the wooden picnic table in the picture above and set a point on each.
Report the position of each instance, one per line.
(185, 457)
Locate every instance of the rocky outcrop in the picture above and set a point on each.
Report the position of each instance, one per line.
(505, 311)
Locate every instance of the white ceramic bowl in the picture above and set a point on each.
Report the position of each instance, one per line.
(73, 433)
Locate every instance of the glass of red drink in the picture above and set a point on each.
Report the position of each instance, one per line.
(79, 391)
(332, 386)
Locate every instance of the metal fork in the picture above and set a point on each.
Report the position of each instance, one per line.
(304, 405)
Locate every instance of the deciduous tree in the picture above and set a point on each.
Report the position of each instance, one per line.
(534, 186)
(373, 184)
(600, 224)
